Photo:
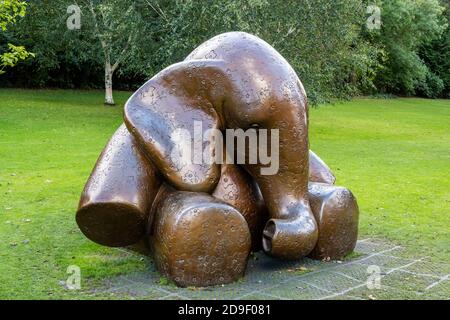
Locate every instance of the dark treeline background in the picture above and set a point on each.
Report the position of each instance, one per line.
(330, 43)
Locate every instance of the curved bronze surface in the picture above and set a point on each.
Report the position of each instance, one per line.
(116, 200)
(234, 80)
(199, 240)
(336, 213)
(237, 188)
(200, 219)
(319, 171)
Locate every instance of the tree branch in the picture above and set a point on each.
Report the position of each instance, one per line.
(122, 54)
(160, 12)
(97, 29)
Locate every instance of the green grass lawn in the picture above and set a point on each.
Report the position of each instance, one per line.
(393, 154)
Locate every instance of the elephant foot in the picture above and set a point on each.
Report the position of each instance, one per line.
(291, 238)
(198, 240)
(115, 202)
(336, 213)
(111, 224)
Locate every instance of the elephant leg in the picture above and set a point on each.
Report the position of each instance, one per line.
(291, 233)
(198, 240)
(237, 188)
(336, 213)
(116, 200)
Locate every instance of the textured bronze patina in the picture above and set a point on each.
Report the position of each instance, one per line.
(319, 171)
(336, 213)
(237, 188)
(235, 80)
(199, 240)
(200, 220)
(116, 200)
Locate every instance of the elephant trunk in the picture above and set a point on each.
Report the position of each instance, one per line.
(292, 231)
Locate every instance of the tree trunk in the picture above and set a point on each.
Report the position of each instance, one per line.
(109, 99)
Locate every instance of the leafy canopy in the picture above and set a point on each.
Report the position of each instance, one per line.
(10, 10)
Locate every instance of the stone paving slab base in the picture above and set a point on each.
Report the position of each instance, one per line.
(400, 277)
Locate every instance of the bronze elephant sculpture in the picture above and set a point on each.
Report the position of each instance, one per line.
(201, 219)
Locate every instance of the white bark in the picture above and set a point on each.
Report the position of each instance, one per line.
(109, 99)
(109, 69)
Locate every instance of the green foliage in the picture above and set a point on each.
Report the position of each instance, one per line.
(75, 58)
(436, 56)
(320, 38)
(13, 56)
(431, 87)
(10, 10)
(406, 26)
(326, 41)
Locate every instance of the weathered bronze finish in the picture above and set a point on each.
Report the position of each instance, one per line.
(199, 240)
(319, 171)
(200, 219)
(116, 200)
(237, 188)
(234, 80)
(336, 213)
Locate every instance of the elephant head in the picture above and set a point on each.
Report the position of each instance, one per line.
(233, 81)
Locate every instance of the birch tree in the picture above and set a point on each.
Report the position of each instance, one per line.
(114, 25)
(119, 37)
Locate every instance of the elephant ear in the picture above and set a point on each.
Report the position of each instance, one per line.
(319, 171)
(170, 117)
